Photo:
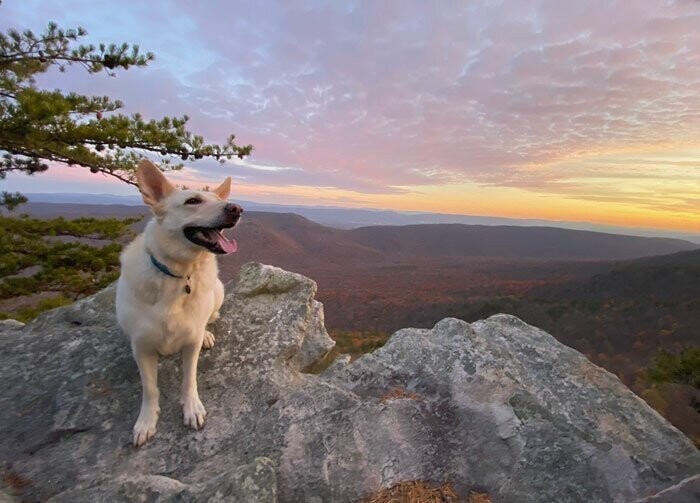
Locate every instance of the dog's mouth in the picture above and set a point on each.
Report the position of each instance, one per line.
(212, 238)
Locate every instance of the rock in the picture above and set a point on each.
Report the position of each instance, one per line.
(252, 483)
(340, 362)
(687, 491)
(273, 319)
(497, 406)
(10, 324)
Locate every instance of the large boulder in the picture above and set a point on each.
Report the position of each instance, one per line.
(497, 406)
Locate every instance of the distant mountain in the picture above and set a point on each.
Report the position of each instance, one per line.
(283, 236)
(71, 210)
(349, 218)
(673, 278)
(79, 198)
(444, 240)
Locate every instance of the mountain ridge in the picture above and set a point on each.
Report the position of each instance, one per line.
(461, 239)
(506, 237)
(348, 218)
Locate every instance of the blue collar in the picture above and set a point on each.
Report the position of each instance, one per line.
(162, 267)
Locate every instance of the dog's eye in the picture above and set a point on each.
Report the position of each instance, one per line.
(193, 200)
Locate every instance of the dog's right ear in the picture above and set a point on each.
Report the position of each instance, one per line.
(152, 183)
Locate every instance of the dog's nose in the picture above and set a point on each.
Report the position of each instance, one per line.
(233, 209)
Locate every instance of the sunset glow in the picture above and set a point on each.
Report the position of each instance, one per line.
(577, 111)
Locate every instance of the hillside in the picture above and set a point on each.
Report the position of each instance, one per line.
(619, 313)
(672, 278)
(290, 238)
(294, 240)
(631, 309)
(444, 240)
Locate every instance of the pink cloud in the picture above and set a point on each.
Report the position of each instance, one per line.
(367, 96)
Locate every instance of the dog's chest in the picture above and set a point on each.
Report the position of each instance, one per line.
(185, 319)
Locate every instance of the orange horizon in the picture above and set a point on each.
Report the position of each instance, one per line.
(467, 198)
(485, 201)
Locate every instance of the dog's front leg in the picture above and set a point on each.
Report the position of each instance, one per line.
(218, 292)
(145, 427)
(192, 408)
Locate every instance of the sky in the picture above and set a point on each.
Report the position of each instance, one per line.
(555, 109)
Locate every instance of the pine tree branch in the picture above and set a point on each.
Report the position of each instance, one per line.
(38, 125)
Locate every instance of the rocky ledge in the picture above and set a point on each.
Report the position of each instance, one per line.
(495, 406)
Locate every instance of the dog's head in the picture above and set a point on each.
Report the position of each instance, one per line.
(195, 217)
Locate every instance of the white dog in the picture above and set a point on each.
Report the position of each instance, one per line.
(169, 287)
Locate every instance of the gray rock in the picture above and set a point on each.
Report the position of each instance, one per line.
(687, 491)
(340, 362)
(496, 406)
(252, 483)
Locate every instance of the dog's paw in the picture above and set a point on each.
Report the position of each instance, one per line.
(193, 412)
(145, 427)
(209, 340)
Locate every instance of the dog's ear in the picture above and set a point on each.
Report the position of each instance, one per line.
(152, 183)
(223, 190)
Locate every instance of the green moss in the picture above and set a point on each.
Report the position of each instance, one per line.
(683, 368)
(73, 269)
(29, 313)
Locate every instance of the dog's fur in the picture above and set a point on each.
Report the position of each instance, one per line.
(154, 309)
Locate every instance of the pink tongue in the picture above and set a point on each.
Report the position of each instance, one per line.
(228, 245)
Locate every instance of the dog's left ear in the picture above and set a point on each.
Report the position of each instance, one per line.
(152, 183)
(223, 190)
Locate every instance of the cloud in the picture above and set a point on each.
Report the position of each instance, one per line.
(385, 97)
